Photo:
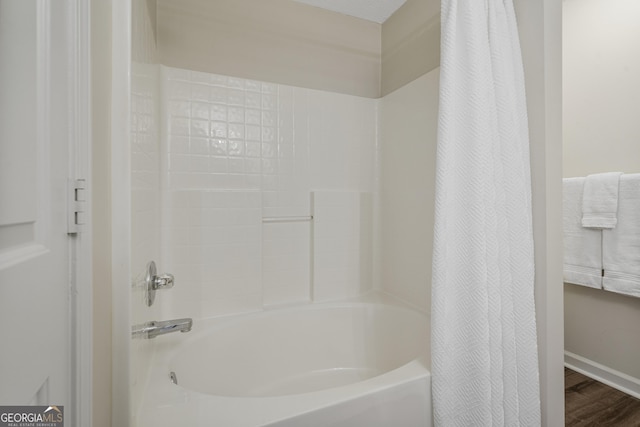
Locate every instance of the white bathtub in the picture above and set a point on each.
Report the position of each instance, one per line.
(348, 364)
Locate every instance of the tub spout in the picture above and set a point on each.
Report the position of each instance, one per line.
(154, 328)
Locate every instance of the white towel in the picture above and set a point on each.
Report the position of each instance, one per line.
(621, 246)
(582, 246)
(600, 200)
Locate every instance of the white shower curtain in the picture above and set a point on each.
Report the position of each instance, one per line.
(484, 350)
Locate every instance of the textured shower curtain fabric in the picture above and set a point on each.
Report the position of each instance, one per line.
(484, 350)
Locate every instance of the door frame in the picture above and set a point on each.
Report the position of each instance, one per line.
(121, 410)
(78, 13)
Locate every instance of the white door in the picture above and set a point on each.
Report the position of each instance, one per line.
(35, 268)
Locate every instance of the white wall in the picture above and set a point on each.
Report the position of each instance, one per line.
(601, 89)
(409, 124)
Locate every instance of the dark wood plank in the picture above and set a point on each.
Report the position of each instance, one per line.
(572, 378)
(625, 412)
(589, 403)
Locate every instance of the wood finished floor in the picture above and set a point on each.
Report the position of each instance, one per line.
(589, 403)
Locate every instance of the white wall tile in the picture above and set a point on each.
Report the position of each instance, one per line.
(199, 92)
(342, 244)
(214, 250)
(286, 256)
(177, 74)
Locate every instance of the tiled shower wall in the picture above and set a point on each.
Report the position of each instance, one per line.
(239, 162)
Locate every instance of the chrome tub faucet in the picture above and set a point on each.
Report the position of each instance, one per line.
(154, 328)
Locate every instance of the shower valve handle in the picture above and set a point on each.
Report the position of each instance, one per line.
(154, 282)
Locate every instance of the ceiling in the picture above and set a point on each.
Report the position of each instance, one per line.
(371, 10)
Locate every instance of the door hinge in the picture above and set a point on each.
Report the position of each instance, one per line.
(77, 202)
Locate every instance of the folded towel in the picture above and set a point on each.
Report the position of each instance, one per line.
(582, 246)
(621, 245)
(600, 200)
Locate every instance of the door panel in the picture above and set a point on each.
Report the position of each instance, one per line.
(34, 245)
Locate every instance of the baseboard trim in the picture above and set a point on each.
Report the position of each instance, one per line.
(618, 380)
